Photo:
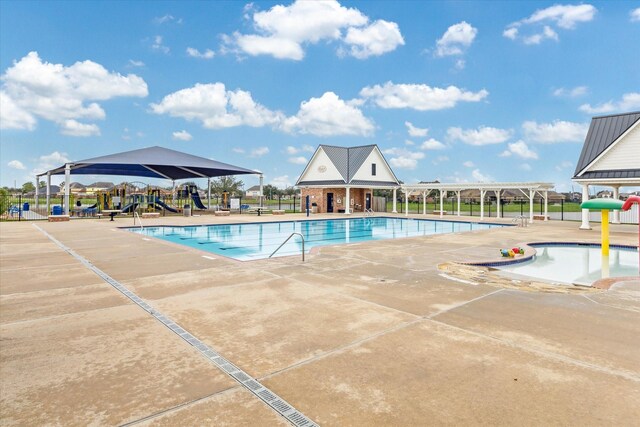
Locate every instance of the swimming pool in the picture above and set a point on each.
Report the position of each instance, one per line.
(253, 241)
(580, 264)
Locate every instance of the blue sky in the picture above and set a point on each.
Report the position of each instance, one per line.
(455, 91)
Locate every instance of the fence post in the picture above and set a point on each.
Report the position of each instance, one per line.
(19, 207)
(521, 207)
(471, 208)
(489, 209)
(561, 209)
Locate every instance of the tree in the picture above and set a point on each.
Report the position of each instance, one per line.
(28, 187)
(226, 183)
(270, 191)
(42, 184)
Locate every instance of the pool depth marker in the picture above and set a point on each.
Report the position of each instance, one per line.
(278, 404)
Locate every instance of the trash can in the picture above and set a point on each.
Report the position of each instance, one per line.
(314, 208)
(25, 207)
(186, 210)
(57, 210)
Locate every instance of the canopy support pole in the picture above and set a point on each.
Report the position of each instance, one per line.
(498, 202)
(48, 193)
(347, 202)
(482, 194)
(208, 193)
(616, 212)
(424, 203)
(37, 182)
(531, 194)
(458, 194)
(585, 212)
(394, 209)
(67, 184)
(441, 202)
(261, 187)
(406, 203)
(546, 205)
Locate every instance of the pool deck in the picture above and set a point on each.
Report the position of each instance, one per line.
(363, 334)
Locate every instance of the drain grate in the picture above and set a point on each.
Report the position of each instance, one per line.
(247, 381)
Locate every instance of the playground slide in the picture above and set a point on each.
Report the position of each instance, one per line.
(196, 200)
(158, 202)
(129, 208)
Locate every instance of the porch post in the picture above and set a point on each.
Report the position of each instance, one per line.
(347, 202)
(67, 184)
(394, 209)
(616, 213)
(585, 212)
(48, 193)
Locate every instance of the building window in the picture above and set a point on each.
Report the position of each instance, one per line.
(373, 169)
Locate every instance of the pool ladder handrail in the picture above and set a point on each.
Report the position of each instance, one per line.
(286, 240)
(135, 214)
(369, 212)
(523, 220)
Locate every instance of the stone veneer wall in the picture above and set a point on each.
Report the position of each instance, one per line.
(319, 196)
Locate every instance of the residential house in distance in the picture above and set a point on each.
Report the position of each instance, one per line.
(253, 192)
(96, 187)
(342, 179)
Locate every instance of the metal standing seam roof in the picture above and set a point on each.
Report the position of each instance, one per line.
(603, 132)
(348, 161)
(153, 162)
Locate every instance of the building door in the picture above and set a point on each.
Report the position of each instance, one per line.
(367, 201)
(330, 202)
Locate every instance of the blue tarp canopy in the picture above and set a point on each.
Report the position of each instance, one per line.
(153, 162)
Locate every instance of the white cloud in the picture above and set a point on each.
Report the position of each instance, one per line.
(561, 16)
(484, 135)
(460, 64)
(32, 88)
(166, 19)
(456, 39)
(402, 158)
(74, 128)
(195, 53)
(259, 152)
(300, 160)
(414, 131)
(432, 144)
(134, 63)
(328, 116)
(519, 149)
(634, 15)
(50, 161)
(238, 150)
(283, 31)
(374, 40)
(216, 108)
(419, 96)
(182, 135)
(16, 164)
(480, 177)
(440, 159)
(571, 93)
(558, 131)
(525, 166)
(308, 148)
(468, 164)
(564, 165)
(292, 150)
(630, 101)
(281, 181)
(158, 46)
(409, 142)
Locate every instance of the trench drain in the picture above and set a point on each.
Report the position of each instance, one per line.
(247, 381)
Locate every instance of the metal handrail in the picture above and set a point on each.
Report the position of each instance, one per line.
(369, 212)
(287, 239)
(135, 214)
(523, 220)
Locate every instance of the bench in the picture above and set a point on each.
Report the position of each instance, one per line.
(150, 214)
(540, 218)
(58, 218)
(222, 213)
(278, 211)
(437, 212)
(258, 211)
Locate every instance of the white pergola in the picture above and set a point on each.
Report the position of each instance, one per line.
(528, 189)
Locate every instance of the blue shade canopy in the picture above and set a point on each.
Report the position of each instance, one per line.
(153, 162)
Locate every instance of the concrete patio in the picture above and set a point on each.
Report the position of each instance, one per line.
(361, 334)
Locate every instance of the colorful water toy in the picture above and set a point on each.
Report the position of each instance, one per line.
(605, 205)
(625, 207)
(504, 252)
(518, 251)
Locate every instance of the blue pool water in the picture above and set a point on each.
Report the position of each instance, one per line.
(258, 240)
(577, 264)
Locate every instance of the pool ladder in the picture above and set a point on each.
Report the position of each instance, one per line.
(369, 212)
(287, 239)
(135, 214)
(522, 219)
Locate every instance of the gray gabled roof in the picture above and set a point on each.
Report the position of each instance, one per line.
(153, 162)
(603, 132)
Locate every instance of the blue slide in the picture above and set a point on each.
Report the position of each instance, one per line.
(158, 202)
(196, 200)
(130, 207)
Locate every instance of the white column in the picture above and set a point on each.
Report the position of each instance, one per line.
(424, 203)
(616, 213)
(406, 203)
(498, 202)
(394, 209)
(441, 202)
(531, 194)
(67, 184)
(261, 186)
(458, 193)
(37, 188)
(546, 205)
(585, 212)
(48, 193)
(347, 202)
(482, 193)
(208, 193)
(173, 192)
